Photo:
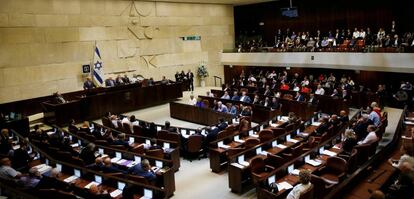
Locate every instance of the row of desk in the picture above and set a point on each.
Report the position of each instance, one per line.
(204, 116)
(95, 103)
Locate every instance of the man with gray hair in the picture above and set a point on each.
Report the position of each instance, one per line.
(143, 169)
(371, 137)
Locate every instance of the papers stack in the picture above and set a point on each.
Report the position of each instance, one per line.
(409, 122)
(316, 123)
(284, 185)
(329, 153)
(237, 165)
(74, 145)
(239, 141)
(293, 141)
(131, 164)
(70, 179)
(263, 153)
(90, 184)
(115, 159)
(314, 163)
(281, 146)
(255, 135)
(244, 163)
(115, 193)
(295, 172)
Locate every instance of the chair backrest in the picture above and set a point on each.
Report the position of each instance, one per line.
(174, 137)
(319, 186)
(290, 127)
(101, 142)
(230, 129)
(297, 150)
(106, 122)
(373, 148)
(233, 151)
(337, 164)
(362, 153)
(308, 194)
(90, 138)
(120, 126)
(138, 130)
(311, 142)
(76, 161)
(194, 143)
(257, 165)
(278, 131)
(137, 178)
(265, 135)
(159, 153)
(221, 135)
(116, 146)
(63, 155)
(138, 149)
(251, 142)
(352, 161)
(274, 160)
(162, 134)
(127, 128)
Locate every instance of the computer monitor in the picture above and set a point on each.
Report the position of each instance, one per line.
(274, 143)
(30, 149)
(203, 131)
(59, 167)
(98, 179)
(121, 185)
(183, 131)
(148, 142)
(158, 128)
(77, 172)
(137, 158)
(307, 158)
(258, 150)
(192, 132)
(237, 137)
(271, 179)
(70, 137)
(79, 142)
(221, 143)
(291, 168)
(118, 155)
(158, 164)
(297, 131)
(261, 127)
(288, 137)
(46, 161)
(148, 193)
(101, 151)
(166, 145)
(131, 139)
(321, 149)
(251, 132)
(240, 159)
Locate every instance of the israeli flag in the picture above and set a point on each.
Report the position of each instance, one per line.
(98, 77)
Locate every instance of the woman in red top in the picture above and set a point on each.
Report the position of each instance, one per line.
(284, 87)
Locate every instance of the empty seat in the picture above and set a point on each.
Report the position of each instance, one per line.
(334, 170)
(265, 135)
(251, 142)
(259, 169)
(159, 153)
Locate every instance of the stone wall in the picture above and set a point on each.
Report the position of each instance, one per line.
(44, 43)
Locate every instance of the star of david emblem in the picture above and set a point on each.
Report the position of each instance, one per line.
(98, 65)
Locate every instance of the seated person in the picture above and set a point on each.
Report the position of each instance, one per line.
(32, 180)
(284, 87)
(256, 100)
(343, 117)
(121, 140)
(143, 169)
(85, 127)
(7, 172)
(20, 158)
(233, 109)
(371, 137)
(246, 111)
(97, 166)
(96, 192)
(53, 182)
(266, 102)
(58, 98)
(323, 127)
(87, 154)
(349, 141)
(245, 98)
(360, 127)
(200, 103)
(108, 167)
(236, 96)
(275, 104)
(165, 80)
(312, 100)
(403, 187)
(167, 127)
(119, 81)
(72, 126)
(225, 95)
(303, 186)
(221, 107)
(88, 84)
(334, 120)
(192, 101)
(406, 156)
(110, 82)
(299, 97)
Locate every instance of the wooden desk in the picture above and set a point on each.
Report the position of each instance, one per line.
(97, 102)
(204, 116)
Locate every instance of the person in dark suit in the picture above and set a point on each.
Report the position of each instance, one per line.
(110, 82)
(274, 104)
(323, 127)
(360, 127)
(349, 142)
(245, 98)
(312, 100)
(190, 77)
(343, 116)
(222, 124)
(5, 145)
(58, 98)
(108, 167)
(167, 127)
(299, 97)
(72, 126)
(88, 154)
(143, 169)
(120, 140)
(52, 182)
(268, 92)
(20, 158)
(236, 96)
(65, 146)
(88, 84)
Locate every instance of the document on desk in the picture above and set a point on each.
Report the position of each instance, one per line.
(15, 147)
(304, 134)
(90, 184)
(281, 146)
(329, 153)
(239, 141)
(274, 125)
(131, 164)
(408, 122)
(115, 193)
(316, 123)
(115, 159)
(237, 165)
(409, 118)
(74, 145)
(255, 135)
(293, 140)
(224, 146)
(295, 172)
(284, 185)
(246, 164)
(264, 153)
(336, 146)
(70, 179)
(121, 161)
(314, 163)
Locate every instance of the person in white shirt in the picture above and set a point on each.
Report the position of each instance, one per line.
(125, 120)
(305, 81)
(7, 172)
(272, 75)
(302, 187)
(296, 87)
(320, 90)
(407, 156)
(192, 101)
(356, 33)
(209, 94)
(226, 95)
(362, 34)
(371, 137)
(251, 78)
(134, 121)
(114, 121)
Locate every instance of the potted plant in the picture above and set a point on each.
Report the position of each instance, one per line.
(202, 74)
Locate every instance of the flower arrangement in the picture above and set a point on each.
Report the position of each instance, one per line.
(202, 71)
